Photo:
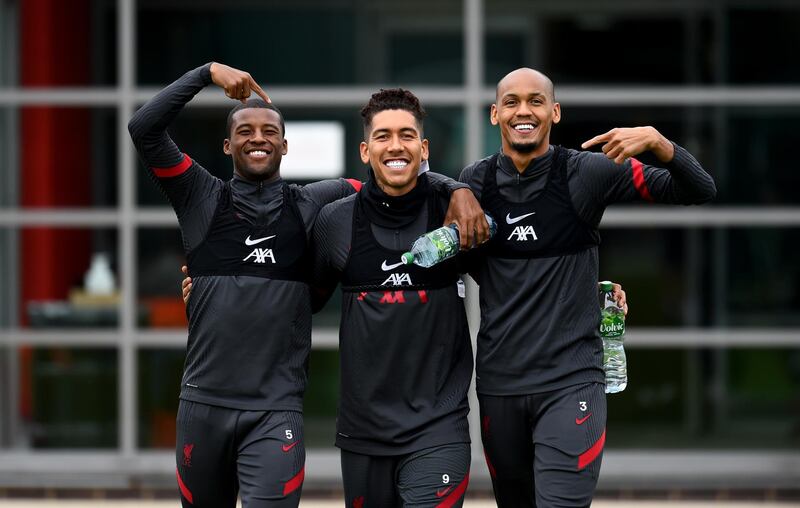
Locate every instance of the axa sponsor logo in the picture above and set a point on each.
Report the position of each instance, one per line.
(397, 279)
(522, 233)
(259, 255)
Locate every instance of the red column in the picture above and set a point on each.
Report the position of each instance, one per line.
(54, 152)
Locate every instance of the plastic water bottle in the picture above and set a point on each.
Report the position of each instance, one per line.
(612, 330)
(99, 279)
(437, 245)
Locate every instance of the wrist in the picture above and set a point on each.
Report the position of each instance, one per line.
(663, 148)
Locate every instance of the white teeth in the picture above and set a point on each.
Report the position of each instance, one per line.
(524, 127)
(259, 153)
(397, 164)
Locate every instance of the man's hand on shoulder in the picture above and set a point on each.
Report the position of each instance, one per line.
(237, 84)
(623, 143)
(467, 214)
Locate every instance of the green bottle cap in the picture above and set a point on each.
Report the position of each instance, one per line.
(408, 258)
(606, 285)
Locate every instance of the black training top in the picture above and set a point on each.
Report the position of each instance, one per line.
(406, 357)
(250, 310)
(538, 279)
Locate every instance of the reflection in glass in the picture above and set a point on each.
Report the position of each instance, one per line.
(763, 277)
(67, 157)
(322, 398)
(374, 43)
(159, 386)
(68, 278)
(160, 257)
(68, 397)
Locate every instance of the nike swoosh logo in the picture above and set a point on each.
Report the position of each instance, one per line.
(579, 421)
(440, 493)
(510, 220)
(386, 267)
(286, 448)
(255, 241)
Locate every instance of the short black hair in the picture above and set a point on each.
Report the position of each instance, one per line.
(392, 98)
(254, 103)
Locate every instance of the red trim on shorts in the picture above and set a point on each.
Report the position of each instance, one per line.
(492, 471)
(638, 180)
(184, 489)
(355, 183)
(295, 483)
(177, 169)
(589, 455)
(457, 494)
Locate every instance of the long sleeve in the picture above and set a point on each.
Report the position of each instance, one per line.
(330, 248)
(314, 196)
(597, 182)
(190, 189)
(439, 181)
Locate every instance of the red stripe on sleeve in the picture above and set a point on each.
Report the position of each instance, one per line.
(638, 180)
(175, 170)
(589, 455)
(355, 183)
(294, 483)
(457, 494)
(184, 489)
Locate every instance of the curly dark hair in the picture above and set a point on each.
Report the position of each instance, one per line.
(254, 103)
(392, 98)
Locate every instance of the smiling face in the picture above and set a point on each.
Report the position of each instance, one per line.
(256, 143)
(525, 111)
(394, 148)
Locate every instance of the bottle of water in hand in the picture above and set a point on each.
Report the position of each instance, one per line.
(437, 245)
(612, 330)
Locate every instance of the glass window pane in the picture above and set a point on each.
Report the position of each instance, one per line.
(67, 277)
(763, 277)
(62, 43)
(761, 402)
(650, 265)
(761, 156)
(159, 386)
(652, 410)
(68, 397)
(9, 292)
(708, 399)
(555, 41)
(374, 43)
(759, 38)
(322, 398)
(65, 157)
(160, 257)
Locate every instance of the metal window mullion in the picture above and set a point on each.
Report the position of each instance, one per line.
(744, 96)
(15, 427)
(127, 418)
(473, 150)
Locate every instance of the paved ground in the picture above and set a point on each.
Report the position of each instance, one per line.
(6, 503)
